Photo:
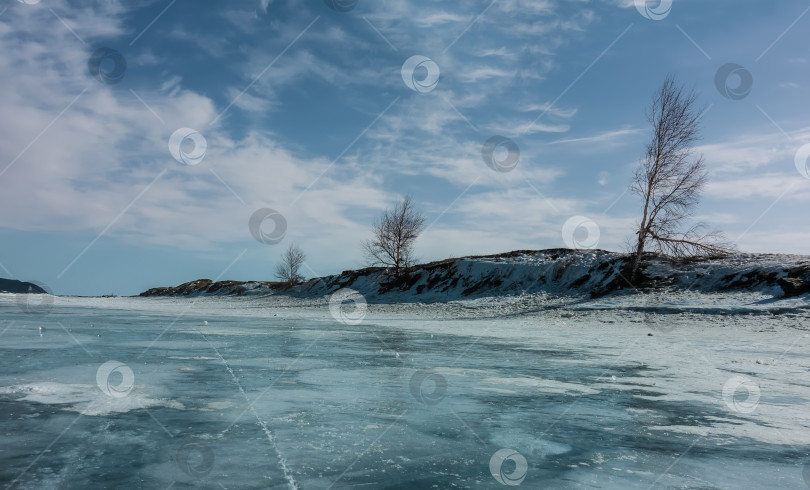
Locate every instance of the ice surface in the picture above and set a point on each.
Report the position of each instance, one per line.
(274, 393)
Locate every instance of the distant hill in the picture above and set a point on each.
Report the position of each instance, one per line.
(13, 286)
(591, 273)
(220, 288)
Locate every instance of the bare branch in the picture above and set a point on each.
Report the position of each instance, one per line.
(291, 261)
(670, 180)
(393, 236)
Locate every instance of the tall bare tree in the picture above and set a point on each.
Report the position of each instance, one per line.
(394, 235)
(288, 270)
(670, 180)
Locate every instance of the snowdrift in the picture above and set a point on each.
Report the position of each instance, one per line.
(564, 272)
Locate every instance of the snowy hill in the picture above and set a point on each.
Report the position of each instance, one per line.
(559, 272)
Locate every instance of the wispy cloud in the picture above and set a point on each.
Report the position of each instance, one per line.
(501, 64)
(753, 152)
(612, 137)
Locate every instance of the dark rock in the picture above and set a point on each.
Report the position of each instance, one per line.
(747, 280)
(580, 281)
(481, 286)
(794, 286)
(802, 271)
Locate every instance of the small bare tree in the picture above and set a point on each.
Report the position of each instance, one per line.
(670, 180)
(291, 261)
(394, 235)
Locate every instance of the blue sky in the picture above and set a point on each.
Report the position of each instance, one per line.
(304, 110)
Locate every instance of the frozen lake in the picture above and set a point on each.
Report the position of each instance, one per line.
(132, 393)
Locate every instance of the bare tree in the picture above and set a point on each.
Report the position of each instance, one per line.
(291, 261)
(670, 180)
(394, 235)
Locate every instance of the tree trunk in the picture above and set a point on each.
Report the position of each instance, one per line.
(637, 258)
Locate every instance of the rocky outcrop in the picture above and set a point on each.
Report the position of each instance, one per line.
(207, 286)
(562, 272)
(794, 286)
(797, 281)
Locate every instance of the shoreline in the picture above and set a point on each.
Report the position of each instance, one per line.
(639, 302)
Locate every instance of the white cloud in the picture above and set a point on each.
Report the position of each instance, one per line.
(499, 52)
(103, 151)
(763, 185)
(547, 109)
(611, 137)
(249, 102)
(478, 73)
(754, 151)
(92, 161)
(517, 217)
(513, 129)
(440, 18)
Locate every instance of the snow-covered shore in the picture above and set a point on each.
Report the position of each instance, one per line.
(557, 272)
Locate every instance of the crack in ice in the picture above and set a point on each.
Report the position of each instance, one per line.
(270, 437)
